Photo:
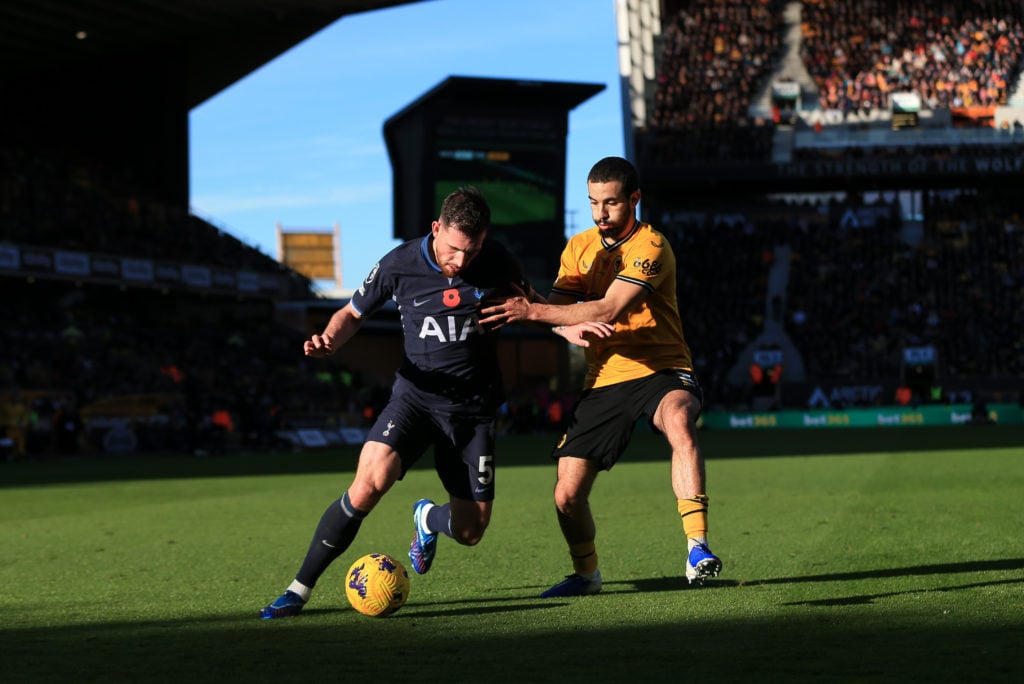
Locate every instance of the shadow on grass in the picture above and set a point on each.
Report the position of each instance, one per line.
(442, 645)
(865, 599)
(474, 607)
(675, 584)
(913, 570)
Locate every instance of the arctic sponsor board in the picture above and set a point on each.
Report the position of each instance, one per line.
(837, 396)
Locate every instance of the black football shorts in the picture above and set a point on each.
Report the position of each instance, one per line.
(602, 422)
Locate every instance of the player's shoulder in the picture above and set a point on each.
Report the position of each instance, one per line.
(649, 237)
(648, 230)
(405, 256)
(408, 249)
(399, 263)
(585, 239)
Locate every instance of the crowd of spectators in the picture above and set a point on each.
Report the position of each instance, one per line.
(860, 292)
(859, 295)
(219, 366)
(952, 54)
(67, 348)
(95, 366)
(89, 368)
(47, 198)
(722, 269)
(714, 57)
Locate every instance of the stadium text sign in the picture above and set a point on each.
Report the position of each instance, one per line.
(916, 165)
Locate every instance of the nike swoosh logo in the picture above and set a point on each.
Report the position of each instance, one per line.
(324, 542)
(420, 302)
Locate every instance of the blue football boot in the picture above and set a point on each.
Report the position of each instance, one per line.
(701, 563)
(424, 544)
(287, 604)
(575, 585)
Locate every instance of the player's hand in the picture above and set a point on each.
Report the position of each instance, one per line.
(318, 346)
(512, 309)
(578, 334)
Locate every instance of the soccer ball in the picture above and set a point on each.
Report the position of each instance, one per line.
(377, 585)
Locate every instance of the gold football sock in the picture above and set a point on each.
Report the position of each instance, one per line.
(584, 558)
(694, 513)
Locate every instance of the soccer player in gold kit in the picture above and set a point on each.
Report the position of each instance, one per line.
(621, 272)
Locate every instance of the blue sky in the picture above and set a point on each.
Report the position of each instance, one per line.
(300, 141)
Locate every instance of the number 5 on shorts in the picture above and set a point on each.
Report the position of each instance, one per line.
(486, 470)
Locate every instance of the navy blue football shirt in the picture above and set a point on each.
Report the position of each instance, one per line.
(446, 350)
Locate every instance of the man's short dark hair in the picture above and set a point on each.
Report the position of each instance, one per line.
(466, 210)
(612, 169)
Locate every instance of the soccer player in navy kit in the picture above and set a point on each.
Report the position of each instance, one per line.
(446, 392)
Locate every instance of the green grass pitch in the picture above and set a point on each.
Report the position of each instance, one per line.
(850, 556)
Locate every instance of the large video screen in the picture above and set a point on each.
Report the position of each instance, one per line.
(518, 163)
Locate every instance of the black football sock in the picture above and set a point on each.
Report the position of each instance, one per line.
(338, 527)
(439, 519)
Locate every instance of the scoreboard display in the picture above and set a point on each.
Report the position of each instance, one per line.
(507, 138)
(519, 165)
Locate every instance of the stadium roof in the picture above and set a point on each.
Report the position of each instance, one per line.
(220, 40)
(505, 92)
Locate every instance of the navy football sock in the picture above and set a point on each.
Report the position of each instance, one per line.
(439, 519)
(337, 528)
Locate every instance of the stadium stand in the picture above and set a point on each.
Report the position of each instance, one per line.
(50, 200)
(722, 300)
(845, 286)
(183, 365)
(837, 286)
(714, 58)
(865, 293)
(952, 54)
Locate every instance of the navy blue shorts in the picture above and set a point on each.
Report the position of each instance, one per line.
(463, 438)
(602, 422)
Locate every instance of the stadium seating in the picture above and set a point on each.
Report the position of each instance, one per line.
(50, 200)
(865, 293)
(717, 59)
(714, 57)
(952, 54)
(77, 358)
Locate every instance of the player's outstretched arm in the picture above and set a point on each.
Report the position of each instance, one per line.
(560, 310)
(342, 326)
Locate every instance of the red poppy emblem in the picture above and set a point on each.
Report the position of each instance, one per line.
(451, 297)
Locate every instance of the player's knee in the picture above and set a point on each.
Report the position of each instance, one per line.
(468, 536)
(682, 422)
(364, 496)
(568, 501)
